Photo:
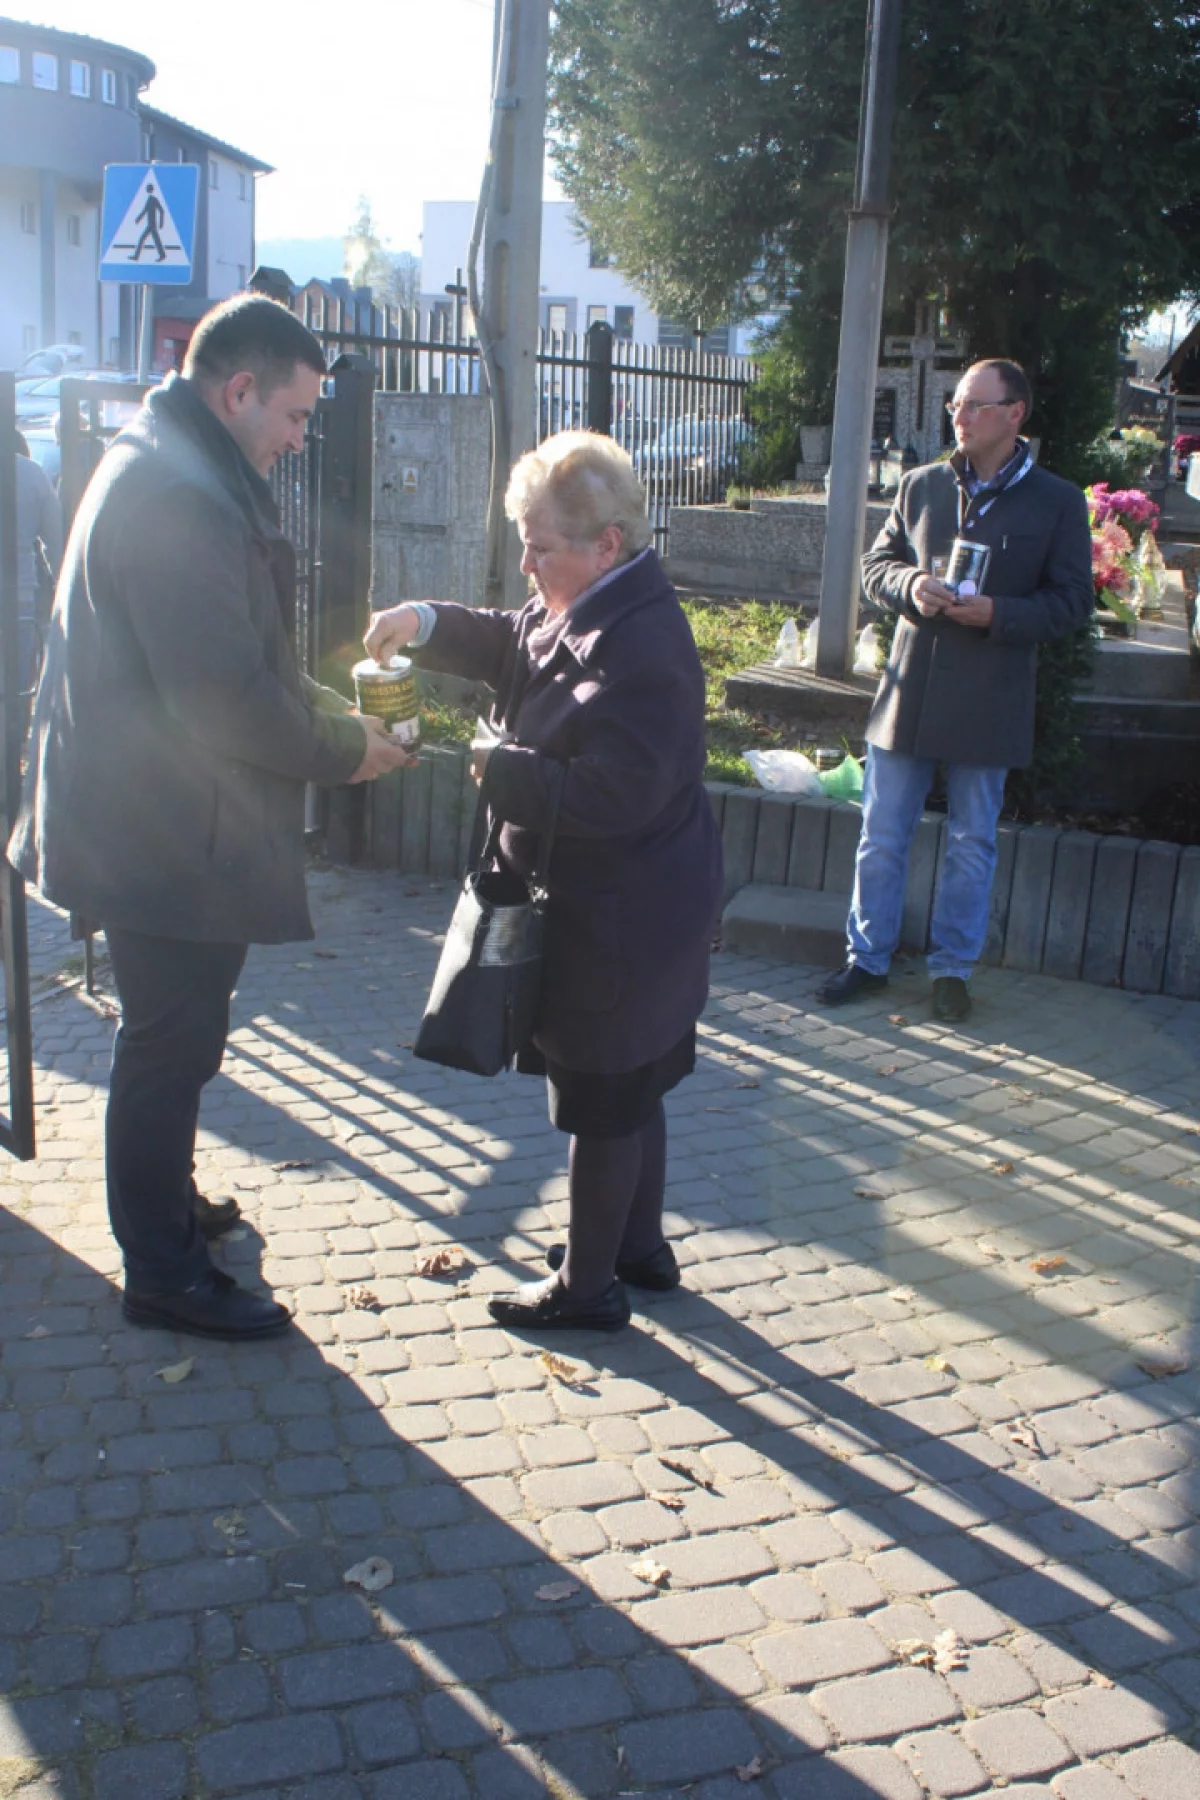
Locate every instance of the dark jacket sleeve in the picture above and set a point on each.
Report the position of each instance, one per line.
(1064, 597)
(472, 642)
(890, 567)
(181, 578)
(624, 771)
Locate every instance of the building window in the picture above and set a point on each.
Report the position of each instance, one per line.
(10, 63)
(598, 258)
(28, 217)
(74, 230)
(108, 86)
(131, 93)
(45, 70)
(81, 80)
(214, 172)
(597, 315)
(556, 319)
(243, 185)
(623, 322)
(28, 339)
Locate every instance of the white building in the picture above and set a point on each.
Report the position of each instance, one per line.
(576, 287)
(69, 104)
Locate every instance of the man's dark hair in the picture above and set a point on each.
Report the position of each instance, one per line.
(254, 333)
(1015, 380)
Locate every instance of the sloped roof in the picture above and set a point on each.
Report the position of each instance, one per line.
(206, 138)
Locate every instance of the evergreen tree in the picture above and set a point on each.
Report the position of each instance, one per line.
(1046, 181)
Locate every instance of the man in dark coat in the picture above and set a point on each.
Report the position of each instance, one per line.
(173, 735)
(960, 681)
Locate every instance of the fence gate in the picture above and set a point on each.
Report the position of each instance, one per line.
(16, 1126)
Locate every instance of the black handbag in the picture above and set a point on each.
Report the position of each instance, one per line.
(482, 1007)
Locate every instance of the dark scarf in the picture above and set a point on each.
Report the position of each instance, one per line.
(178, 401)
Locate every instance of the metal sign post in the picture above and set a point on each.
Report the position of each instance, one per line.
(17, 1129)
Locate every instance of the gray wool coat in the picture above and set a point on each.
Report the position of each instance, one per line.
(958, 694)
(173, 733)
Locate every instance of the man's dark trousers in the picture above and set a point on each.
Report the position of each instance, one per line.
(174, 996)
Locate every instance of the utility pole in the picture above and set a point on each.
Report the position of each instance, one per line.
(512, 249)
(858, 348)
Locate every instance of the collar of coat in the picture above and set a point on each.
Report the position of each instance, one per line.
(639, 583)
(174, 416)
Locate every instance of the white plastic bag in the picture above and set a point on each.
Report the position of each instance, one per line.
(866, 652)
(784, 771)
(788, 646)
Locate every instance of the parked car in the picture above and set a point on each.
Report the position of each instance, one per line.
(38, 395)
(692, 445)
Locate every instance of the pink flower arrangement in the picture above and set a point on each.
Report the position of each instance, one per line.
(1112, 568)
(1130, 507)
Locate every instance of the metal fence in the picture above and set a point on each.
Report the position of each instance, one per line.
(682, 415)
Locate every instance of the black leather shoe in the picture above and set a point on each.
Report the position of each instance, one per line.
(659, 1271)
(213, 1307)
(547, 1306)
(850, 983)
(215, 1217)
(951, 999)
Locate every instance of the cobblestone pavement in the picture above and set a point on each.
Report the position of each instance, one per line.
(907, 1445)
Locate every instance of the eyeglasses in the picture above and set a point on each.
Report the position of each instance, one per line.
(971, 407)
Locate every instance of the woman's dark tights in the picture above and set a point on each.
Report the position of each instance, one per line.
(616, 1191)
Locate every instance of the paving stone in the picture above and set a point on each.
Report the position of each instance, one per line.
(884, 1705)
(1097, 1720)
(142, 1772)
(823, 1652)
(339, 1677)
(688, 1746)
(848, 1775)
(269, 1750)
(943, 1764)
(1016, 1744)
(708, 1616)
(1166, 1771)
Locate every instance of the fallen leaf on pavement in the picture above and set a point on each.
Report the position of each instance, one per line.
(915, 1651)
(949, 1652)
(566, 1372)
(888, 1069)
(556, 1590)
(1022, 1432)
(1046, 1265)
(39, 1331)
(363, 1300)
(938, 1364)
(1099, 1680)
(1001, 1168)
(299, 1163)
(749, 1771)
(1160, 1366)
(231, 1525)
(446, 1261)
(897, 1019)
(177, 1371)
(990, 1250)
(671, 1501)
(697, 1476)
(866, 1193)
(372, 1575)
(746, 1084)
(651, 1572)
(901, 1293)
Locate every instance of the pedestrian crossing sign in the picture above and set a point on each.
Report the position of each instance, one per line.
(148, 223)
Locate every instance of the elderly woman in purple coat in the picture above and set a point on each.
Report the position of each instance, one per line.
(599, 697)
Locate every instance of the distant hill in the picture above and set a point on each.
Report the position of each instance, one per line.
(302, 258)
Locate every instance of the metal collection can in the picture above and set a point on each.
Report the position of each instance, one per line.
(388, 691)
(968, 567)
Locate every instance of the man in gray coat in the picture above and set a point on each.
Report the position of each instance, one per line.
(960, 681)
(173, 735)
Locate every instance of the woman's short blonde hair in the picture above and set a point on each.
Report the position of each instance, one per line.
(589, 483)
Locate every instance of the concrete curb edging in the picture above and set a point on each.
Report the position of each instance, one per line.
(1111, 911)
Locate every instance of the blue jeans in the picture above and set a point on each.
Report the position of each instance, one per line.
(895, 788)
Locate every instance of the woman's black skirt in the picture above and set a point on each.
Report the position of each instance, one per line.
(587, 1104)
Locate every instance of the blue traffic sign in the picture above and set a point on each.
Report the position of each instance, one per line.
(148, 223)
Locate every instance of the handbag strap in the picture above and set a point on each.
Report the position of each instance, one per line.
(485, 832)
